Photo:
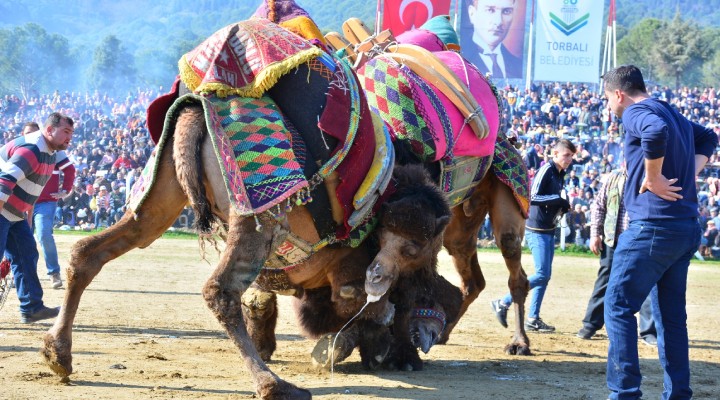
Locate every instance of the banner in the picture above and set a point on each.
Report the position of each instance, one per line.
(403, 15)
(567, 44)
(492, 36)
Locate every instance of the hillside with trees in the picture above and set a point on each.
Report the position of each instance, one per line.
(117, 45)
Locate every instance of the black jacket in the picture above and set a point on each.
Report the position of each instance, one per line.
(546, 205)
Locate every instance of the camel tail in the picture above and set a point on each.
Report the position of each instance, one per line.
(190, 131)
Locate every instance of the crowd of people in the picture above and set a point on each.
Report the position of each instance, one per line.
(539, 117)
(110, 146)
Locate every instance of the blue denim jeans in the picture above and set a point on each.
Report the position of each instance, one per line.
(18, 246)
(43, 215)
(652, 257)
(542, 246)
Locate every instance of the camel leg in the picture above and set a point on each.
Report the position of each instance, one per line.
(460, 240)
(162, 207)
(244, 256)
(508, 227)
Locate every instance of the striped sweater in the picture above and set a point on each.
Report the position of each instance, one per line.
(26, 164)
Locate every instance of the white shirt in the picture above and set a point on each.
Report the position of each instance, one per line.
(485, 55)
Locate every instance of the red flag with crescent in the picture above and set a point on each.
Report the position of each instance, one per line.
(403, 15)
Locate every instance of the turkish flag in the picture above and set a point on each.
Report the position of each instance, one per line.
(403, 15)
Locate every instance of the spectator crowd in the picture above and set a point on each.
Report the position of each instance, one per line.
(536, 118)
(112, 144)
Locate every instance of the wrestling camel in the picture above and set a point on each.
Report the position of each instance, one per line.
(188, 171)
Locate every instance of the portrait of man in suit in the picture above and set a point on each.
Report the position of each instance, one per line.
(491, 22)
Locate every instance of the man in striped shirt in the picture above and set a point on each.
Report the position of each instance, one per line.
(26, 164)
(42, 215)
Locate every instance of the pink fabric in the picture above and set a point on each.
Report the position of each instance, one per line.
(467, 143)
(423, 38)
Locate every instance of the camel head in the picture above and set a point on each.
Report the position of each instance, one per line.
(412, 223)
(426, 326)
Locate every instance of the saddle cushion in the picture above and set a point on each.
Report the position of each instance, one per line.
(467, 143)
(262, 147)
(245, 58)
(418, 112)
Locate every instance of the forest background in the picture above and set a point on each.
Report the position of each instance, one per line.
(119, 45)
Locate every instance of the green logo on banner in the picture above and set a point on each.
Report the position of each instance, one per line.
(569, 29)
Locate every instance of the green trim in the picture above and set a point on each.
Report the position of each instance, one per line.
(572, 25)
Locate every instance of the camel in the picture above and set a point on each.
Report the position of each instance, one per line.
(188, 171)
(328, 297)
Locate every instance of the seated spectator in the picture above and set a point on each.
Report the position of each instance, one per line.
(124, 161)
(117, 204)
(708, 238)
(572, 180)
(76, 207)
(577, 223)
(107, 160)
(102, 206)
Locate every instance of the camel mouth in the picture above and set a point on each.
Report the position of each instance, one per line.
(424, 337)
(377, 282)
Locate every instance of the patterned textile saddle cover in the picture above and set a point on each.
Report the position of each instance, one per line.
(245, 58)
(275, 149)
(419, 113)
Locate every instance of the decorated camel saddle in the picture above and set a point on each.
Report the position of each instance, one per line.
(286, 113)
(436, 101)
(290, 126)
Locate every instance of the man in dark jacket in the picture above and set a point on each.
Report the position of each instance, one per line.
(664, 153)
(546, 207)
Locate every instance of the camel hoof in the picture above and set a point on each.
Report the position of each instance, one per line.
(282, 390)
(324, 355)
(517, 349)
(59, 363)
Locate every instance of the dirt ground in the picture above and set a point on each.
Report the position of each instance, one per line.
(143, 332)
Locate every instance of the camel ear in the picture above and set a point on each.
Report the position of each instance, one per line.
(440, 224)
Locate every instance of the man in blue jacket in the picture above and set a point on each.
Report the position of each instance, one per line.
(546, 208)
(664, 152)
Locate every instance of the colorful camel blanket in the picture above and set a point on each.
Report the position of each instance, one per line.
(262, 156)
(418, 112)
(254, 147)
(245, 58)
(509, 167)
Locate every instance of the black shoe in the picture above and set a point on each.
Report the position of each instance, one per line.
(537, 325)
(43, 313)
(586, 333)
(500, 311)
(650, 340)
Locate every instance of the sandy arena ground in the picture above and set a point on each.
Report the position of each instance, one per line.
(143, 332)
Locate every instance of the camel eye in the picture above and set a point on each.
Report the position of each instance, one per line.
(410, 250)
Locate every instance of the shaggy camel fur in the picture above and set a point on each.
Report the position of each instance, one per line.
(491, 197)
(188, 171)
(412, 219)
